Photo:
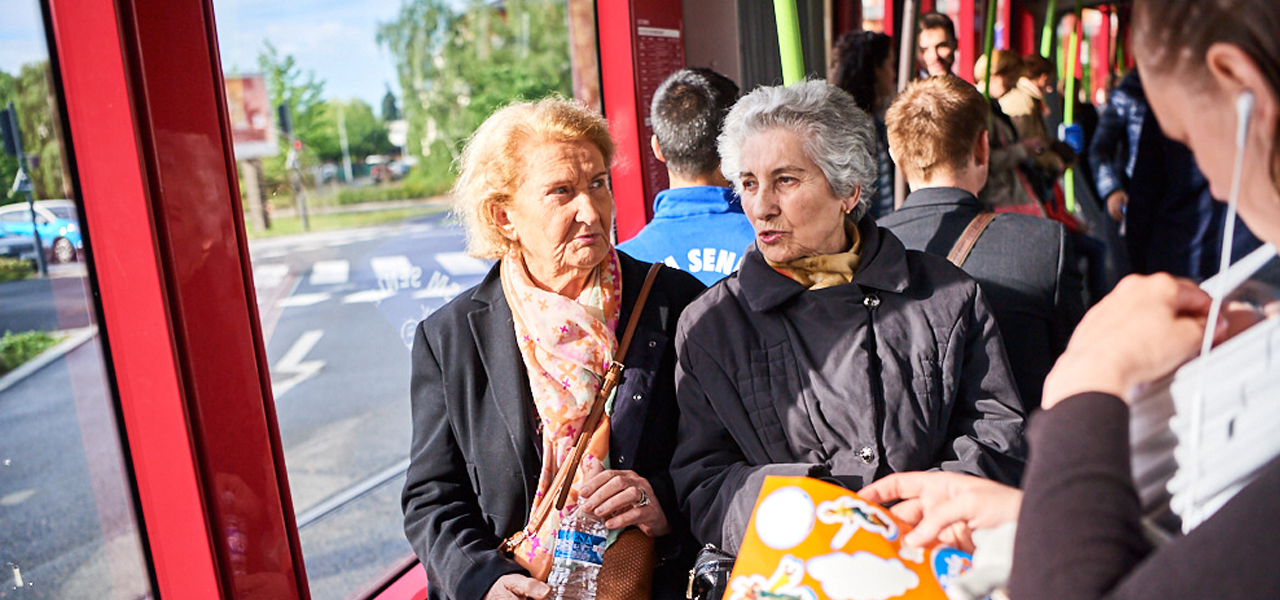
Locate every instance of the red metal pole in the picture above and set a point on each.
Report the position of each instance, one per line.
(965, 30)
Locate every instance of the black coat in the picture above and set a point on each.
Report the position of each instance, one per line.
(900, 370)
(1025, 265)
(475, 458)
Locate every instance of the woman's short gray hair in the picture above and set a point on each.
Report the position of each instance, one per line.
(838, 136)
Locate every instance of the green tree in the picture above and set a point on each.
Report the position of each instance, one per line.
(457, 66)
(288, 84)
(366, 135)
(390, 112)
(29, 92)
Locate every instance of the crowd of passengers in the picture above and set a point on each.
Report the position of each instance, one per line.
(897, 351)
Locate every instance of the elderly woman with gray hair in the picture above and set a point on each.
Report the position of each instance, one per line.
(833, 352)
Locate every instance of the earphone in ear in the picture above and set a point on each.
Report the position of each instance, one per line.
(1244, 112)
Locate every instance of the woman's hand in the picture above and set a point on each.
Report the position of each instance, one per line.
(945, 507)
(516, 586)
(1142, 330)
(622, 497)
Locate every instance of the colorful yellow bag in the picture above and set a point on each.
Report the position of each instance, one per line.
(811, 540)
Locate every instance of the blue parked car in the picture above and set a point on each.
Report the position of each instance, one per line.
(58, 223)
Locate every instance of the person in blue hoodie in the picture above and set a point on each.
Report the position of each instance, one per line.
(698, 225)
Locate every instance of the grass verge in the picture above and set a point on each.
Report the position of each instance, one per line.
(12, 269)
(17, 348)
(346, 220)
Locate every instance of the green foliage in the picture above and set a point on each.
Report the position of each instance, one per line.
(457, 66)
(288, 84)
(17, 348)
(408, 189)
(12, 268)
(366, 135)
(29, 92)
(390, 110)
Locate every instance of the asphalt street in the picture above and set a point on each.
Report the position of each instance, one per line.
(338, 312)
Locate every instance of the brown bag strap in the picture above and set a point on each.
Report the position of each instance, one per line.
(960, 251)
(561, 484)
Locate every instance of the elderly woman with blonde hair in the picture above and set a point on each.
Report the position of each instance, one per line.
(505, 375)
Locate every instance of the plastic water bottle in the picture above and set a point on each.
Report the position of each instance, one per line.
(579, 552)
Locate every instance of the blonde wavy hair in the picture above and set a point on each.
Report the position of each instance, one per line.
(493, 166)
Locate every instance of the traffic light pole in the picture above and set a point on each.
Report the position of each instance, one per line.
(13, 145)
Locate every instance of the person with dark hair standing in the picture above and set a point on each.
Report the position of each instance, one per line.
(937, 44)
(1025, 264)
(697, 225)
(865, 67)
(1211, 70)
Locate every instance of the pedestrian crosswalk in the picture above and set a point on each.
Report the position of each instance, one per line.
(391, 274)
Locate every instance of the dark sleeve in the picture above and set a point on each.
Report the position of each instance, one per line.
(1068, 295)
(985, 431)
(1079, 535)
(715, 482)
(1110, 142)
(442, 517)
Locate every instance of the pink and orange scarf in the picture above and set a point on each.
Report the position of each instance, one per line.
(567, 345)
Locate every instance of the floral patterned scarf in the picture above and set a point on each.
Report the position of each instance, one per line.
(567, 345)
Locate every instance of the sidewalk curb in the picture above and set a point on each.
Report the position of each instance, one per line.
(75, 338)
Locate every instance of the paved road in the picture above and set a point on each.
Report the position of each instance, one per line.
(338, 312)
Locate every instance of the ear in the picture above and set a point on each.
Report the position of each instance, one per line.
(499, 217)
(653, 143)
(848, 204)
(1235, 72)
(982, 149)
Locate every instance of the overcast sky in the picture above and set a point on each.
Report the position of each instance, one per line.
(333, 38)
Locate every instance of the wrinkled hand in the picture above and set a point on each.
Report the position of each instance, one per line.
(514, 586)
(1142, 330)
(945, 507)
(613, 495)
(1116, 204)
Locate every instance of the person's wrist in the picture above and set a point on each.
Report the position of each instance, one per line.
(1073, 375)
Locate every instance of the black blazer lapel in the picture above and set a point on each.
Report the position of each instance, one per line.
(495, 339)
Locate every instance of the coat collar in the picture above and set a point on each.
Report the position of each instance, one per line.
(493, 329)
(884, 267)
(949, 197)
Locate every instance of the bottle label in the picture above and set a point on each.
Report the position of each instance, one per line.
(579, 546)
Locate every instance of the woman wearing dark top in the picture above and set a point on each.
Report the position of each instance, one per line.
(833, 351)
(505, 374)
(1078, 531)
(865, 67)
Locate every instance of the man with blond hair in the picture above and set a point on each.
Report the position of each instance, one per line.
(1025, 265)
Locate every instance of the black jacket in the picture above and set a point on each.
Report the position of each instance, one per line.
(1025, 265)
(476, 452)
(900, 370)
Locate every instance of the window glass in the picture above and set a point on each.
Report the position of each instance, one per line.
(68, 526)
(350, 235)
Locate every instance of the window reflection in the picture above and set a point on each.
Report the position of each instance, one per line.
(68, 519)
(346, 119)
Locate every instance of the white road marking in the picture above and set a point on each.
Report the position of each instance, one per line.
(17, 498)
(328, 272)
(269, 276)
(439, 287)
(293, 367)
(391, 267)
(373, 296)
(460, 263)
(302, 300)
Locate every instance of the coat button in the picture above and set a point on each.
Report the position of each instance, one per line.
(867, 455)
(637, 397)
(871, 301)
(653, 344)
